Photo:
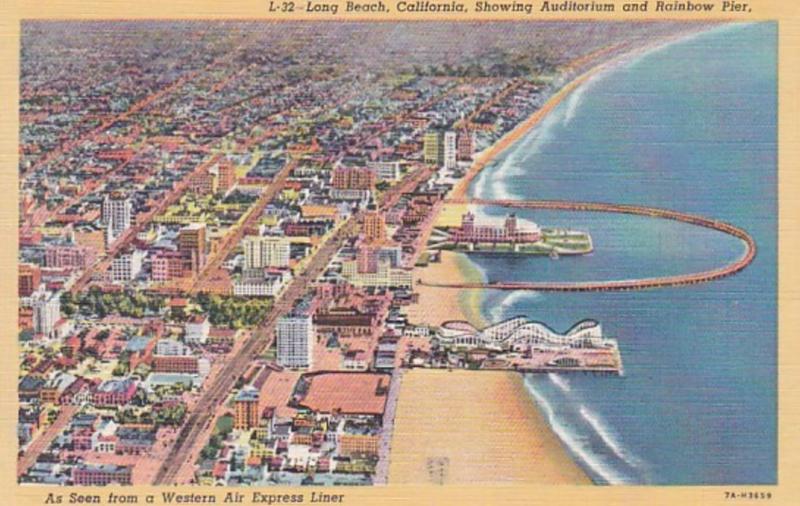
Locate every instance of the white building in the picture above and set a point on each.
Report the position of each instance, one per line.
(385, 275)
(269, 285)
(116, 215)
(265, 251)
(295, 336)
(449, 147)
(46, 312)
(197, 329)
(127, 266)
(171, 347)
(385, 171)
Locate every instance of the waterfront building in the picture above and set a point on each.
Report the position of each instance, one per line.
(358, 441)
(471, 232)
(266, 251)
(295, 336)
(383, 275)
(116, 215)
(449, 150)
(465, 145)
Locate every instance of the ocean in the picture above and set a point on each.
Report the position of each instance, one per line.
(690, 126)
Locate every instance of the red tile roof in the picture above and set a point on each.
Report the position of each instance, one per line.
(347, 393)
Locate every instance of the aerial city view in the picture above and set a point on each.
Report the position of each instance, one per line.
(257, 253)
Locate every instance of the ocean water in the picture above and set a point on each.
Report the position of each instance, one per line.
(690, 126)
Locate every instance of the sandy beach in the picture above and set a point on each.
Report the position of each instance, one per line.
(438, 305)
(478, 426)
(471, 427)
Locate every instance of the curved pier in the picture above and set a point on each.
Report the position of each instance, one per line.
(621, 285)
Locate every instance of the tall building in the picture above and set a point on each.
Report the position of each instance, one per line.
(46, 312)
(374, 227)
(449, 150)
(295, 336)
(266, 251)
(116, 216)
(432, 147)
(246, 408)
(192, 243)
(226, 176)
(30, 277)
(127, 265)
(465, 145)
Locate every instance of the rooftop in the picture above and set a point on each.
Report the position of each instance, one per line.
(347, 393)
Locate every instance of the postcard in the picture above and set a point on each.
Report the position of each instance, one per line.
(492, 252)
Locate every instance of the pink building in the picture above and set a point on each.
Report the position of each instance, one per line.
(509, 232)
(168, 265)
(70, 256)
(465, 145)
(102, 474)
(114, 393)
(82, 439)
(367, 259)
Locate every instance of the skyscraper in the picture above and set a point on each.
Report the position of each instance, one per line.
(465, 145)
(449, 150)
(431, 147)
(46, 312)
(295, 336)
(116, 215)
(192, 243)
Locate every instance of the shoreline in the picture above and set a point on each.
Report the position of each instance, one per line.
(458, 427)
(420, 427)
(438, 305)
